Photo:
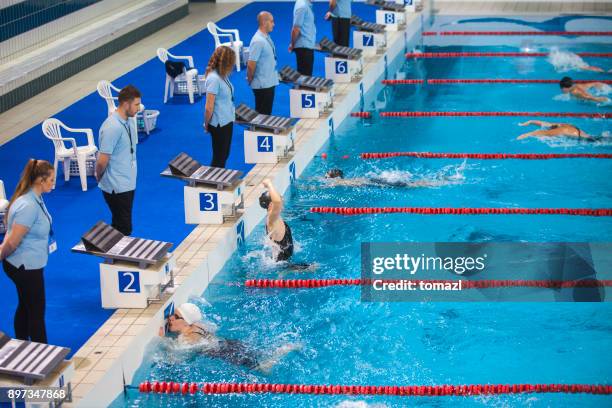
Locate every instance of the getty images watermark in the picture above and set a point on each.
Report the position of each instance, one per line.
(508, 271)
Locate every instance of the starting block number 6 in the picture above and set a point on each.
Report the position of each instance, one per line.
(341, 67)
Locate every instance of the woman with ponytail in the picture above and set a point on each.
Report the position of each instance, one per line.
(219, 109)
(26, 246)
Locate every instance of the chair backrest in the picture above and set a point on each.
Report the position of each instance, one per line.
(212, 28)
(51, 128)
(2, 191)
(162, 54)
(105, 91)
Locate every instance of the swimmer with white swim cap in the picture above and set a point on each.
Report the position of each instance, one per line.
(555, 130)
(336, 178)
(187, 322)
(582, 91)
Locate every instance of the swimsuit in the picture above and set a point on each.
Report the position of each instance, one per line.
(285, 245)
(233, 351)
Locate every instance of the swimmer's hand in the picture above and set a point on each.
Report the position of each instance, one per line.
(266, 183)
(162, 332)
(525, 123)
(521, 137)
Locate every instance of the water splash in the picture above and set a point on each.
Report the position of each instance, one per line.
(565, 61)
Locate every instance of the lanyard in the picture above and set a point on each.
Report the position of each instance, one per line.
(44, 210)
(267, 37)
(129, 131)
(229, 85)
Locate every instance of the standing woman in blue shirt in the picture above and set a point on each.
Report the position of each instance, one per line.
(26, 247)
(219, 110)
(340, 14)
(303, 36)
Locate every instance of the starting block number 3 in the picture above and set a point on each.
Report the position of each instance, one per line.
(209, 202)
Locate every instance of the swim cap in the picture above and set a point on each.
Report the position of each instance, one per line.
(190, 312)
(566, 82)
(334, 173)
(265, 200)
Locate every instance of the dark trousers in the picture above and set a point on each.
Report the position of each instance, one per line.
(120, 205)
(264, 99)
(221, 142)
(305, 60)
(30, 314)
(341, 29)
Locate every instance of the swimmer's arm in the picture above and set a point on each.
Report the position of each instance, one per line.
(540, 123)
(276, 202)
(592, 68)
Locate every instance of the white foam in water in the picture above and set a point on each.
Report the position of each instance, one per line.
(564, 61)
(359, 404)
(563, 97)
(451, 174)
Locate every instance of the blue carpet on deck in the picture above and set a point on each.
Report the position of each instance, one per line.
(72, 281)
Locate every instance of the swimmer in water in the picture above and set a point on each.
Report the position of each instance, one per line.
(567, 61)
(555, 130)
(582, 91)
(336, 178)
(187, 323)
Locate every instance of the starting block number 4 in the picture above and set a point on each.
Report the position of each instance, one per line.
(209, 202)
(129, 281)
(265, 144)
(308, 101)
(341, 67)
(368, 40)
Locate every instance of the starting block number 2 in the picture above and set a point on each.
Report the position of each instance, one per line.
(129, 281)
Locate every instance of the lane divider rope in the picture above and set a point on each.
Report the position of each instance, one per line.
(487, 156)
(170, 387)
(577, 33)
(410, 114)
(465, 284)
(497, 54)
(442, 81)
(591, 212)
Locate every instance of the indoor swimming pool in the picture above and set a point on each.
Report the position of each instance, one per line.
(343, 340)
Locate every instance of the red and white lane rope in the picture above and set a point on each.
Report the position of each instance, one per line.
(505, 33)
(463, 390)
(454, 81)
(591, 212)
(465, 284)
(418, 114)
(487, 156)
(497, 54)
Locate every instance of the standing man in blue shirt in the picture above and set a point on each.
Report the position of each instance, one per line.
(116, 164)
(340, 14)
(303, 36)
(261, 68)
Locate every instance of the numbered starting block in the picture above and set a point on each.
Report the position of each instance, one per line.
(391, 14)
(343, 64)
(410, 6)
(212, 194)
(267, 139)
(369, 37)
(310, 97)
(136, 271)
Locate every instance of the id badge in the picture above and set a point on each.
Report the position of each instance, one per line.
(133, 164)
(52, 245)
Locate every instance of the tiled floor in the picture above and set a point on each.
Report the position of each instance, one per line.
(22, 117)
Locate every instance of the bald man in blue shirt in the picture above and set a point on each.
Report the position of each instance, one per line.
(261, 67)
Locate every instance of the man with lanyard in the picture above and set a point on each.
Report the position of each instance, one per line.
(303, 36)
(340, 14)
(261, 68)
(116, 164)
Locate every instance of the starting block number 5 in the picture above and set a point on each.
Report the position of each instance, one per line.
(308, 101)
(129, 281)
(209, 202)
(341, 67)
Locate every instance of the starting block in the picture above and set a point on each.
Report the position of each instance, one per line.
(343, 64)
(310, 96)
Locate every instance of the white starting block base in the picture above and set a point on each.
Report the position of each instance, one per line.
(125, 285)
(305, 103)
(266, 147)
(370, 43)
(207, 205)
(410, 5)
(61, 378)
(393, 20)
(343, 70)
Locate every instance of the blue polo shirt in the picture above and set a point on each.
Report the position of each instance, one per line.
(263, 52)
(342, 9)
(29, 211)
(118, 138)
(303, 18)
(223, 111)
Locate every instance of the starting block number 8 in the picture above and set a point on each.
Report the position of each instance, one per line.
(341, 67)
(209, 202)
(368, 40)
(264, 144)
(389, 18)
(129, 282)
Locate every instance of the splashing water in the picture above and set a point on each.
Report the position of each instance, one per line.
(564, 61)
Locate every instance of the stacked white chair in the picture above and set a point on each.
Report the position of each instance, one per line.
(234, 40)
(84, 155)
(3, 206)
(148, 117)
(188, 75)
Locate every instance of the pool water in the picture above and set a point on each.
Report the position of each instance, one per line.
(346, 341)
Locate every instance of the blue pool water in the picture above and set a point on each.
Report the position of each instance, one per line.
(346, 341)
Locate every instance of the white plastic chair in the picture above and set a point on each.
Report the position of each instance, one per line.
(188, 75)
(3, 206)
(234, 40)
(52, 129)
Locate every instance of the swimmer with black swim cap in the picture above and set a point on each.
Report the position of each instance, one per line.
(336, 178)
(582, 91)
(276, 228)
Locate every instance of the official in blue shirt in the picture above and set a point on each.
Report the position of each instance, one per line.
(261, 68)
(219, 110)
(116, 165)
(26, 247)
(303, 36)
(340, 14)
